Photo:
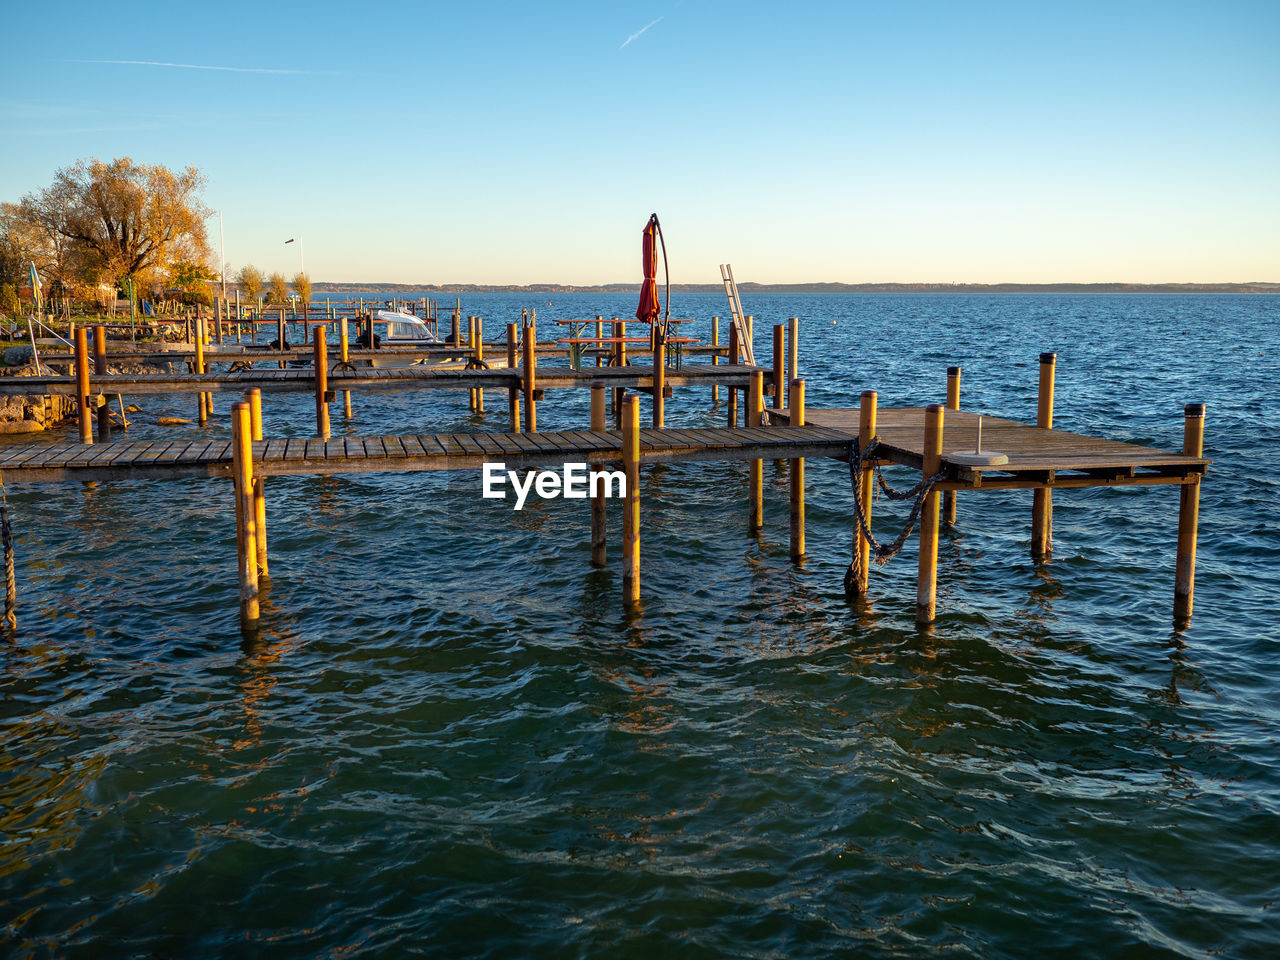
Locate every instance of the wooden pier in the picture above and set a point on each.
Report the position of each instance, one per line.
(933, 440)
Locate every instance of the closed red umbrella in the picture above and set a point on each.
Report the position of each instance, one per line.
(649, 309)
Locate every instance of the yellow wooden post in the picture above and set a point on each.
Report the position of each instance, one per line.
(927, 581)
(254, 398)
(513, 393)
(731, 414)
(100, 368)
(755, 409)
(202, 408)
(246, 528)
(530, 380)
(866, 486)
(1188, 514)
(82, 384)
(320, 359)
(598, 515)
(659, 377)
(344, 336)
(715, 357)
(631, 504)
(1042, 502)
(779, 366)
(797, 475)
(793, 351)
(953, 403)
(479, 328)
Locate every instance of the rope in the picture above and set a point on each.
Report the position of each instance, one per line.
(10, 581)
(881, 553)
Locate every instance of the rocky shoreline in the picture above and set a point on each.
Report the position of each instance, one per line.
(36, 413)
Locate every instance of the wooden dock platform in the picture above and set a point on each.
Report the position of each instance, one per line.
(1038, 456)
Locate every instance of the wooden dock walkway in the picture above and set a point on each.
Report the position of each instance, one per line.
(167, 459)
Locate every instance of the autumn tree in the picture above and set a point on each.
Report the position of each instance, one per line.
(250, 280)
(302, 287)
(279, 288)
(192, 277)
(107, 221)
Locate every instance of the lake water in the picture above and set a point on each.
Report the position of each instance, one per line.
(451, 740)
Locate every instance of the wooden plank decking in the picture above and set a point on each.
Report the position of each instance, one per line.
(182, 458)
(1037, 456)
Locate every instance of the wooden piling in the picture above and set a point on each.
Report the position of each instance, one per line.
(599, 336)
(927, 577)
(320, 363)
(715, 357)
(731, 415)
(598, 515)
(659, 377)
(530, 381)
(1188, 514)
(866, 487)
(280, 344)
(1042, 501)
(953, 403)
(254, 398)
(779, 365)
(796, 408)
(82, 384)
(246, 527)
(631, 503)
(471, 348)
(344, 338)
(100, 368)
(755, 412)
(479, 326)
(513, 393)
(793, 351)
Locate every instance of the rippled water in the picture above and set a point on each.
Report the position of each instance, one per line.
(451, 740)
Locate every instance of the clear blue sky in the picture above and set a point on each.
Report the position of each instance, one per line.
(494, 143)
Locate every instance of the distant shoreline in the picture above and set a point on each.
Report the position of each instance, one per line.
(748, 287)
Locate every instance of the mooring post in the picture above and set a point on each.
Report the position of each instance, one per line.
(1042, 502)
(779, 366)
(471, 347)
(755, 411)
(797, 475)
(953, 403)
(217, 321)
(621, 327)
(619, 360)
(479, 362)
(793, 351)
(202, 410)
(631, 504)
(100, 368)
(530, 381)
(254, 398)
(320, 362)
(82, 384)
(599, 336)
(731, 416)
(513, 393)
(715, 357)
(280, 333)
(1188, 514)
(866, 486)
(345, 340)
(659, 377)
(927, 579)
(598, 516)
(246, 527)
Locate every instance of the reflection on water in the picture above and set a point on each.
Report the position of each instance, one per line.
(450, 732)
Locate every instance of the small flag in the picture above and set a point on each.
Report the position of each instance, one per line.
(36, 298)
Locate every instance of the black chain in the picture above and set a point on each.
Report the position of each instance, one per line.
(882, 553)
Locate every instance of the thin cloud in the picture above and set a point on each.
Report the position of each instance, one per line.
(202, 66)
(640, 31)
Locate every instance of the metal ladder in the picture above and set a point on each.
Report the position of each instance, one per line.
(739, 318)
